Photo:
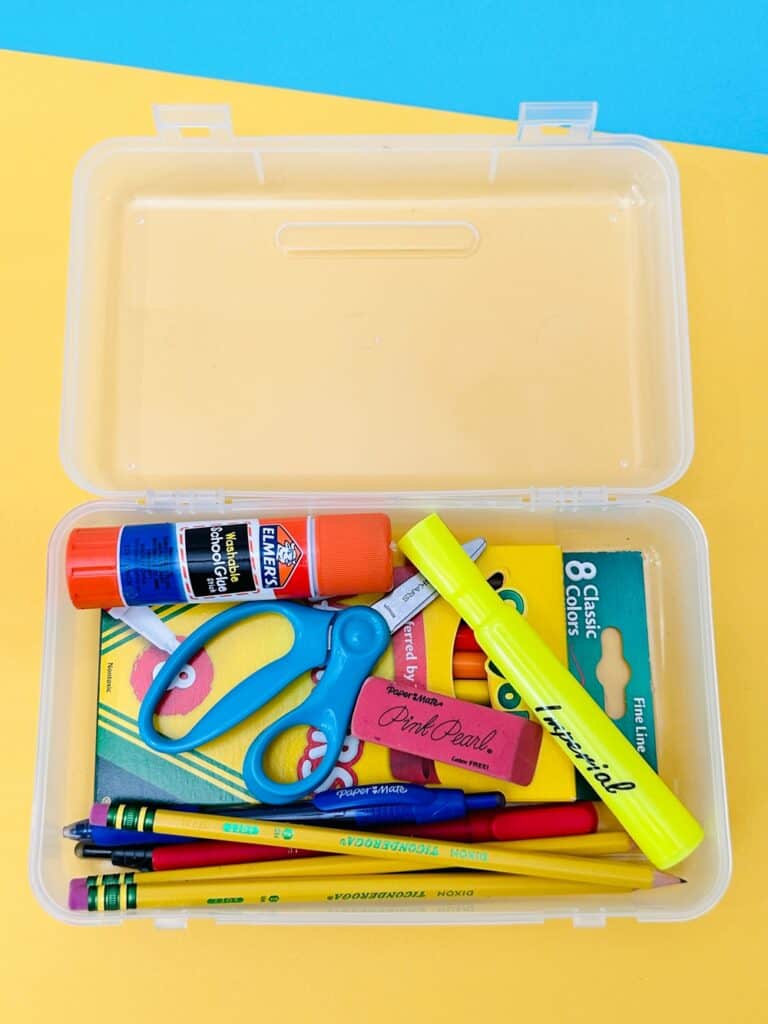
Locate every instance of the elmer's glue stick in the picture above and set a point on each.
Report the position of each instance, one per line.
(250, 560)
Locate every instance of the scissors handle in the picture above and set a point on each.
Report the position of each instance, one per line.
(359, 637)
(309, 650)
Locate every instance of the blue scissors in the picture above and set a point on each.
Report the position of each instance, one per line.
(345, 642)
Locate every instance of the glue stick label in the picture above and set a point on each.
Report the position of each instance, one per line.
(254, 559)
(217, 560)
(258, 559)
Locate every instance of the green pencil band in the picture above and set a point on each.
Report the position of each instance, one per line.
(131, 817)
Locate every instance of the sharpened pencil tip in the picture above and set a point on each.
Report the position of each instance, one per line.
(662, 878)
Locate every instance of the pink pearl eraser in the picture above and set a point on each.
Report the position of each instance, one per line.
(445, 729)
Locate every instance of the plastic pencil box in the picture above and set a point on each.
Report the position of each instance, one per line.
(491, 327)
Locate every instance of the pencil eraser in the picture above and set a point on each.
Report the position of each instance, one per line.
(78, 894)
(445, 729)
(98, 814)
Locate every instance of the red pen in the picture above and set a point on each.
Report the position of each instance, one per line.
(506, 823)
(509, 823)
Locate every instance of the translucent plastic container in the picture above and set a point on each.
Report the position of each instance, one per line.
(490, 327)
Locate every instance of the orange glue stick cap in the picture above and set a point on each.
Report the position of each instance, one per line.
(354, 554)
(91, 565)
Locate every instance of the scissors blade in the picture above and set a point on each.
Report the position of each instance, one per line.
(414, 594)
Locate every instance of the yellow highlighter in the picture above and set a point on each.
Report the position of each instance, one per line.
(661, 826)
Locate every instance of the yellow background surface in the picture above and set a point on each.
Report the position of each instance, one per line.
(51, 111)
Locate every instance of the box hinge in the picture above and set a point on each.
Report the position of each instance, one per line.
(176, 121)
(549, 497)
(557, 123)
(183, 502)
(596, 920)
(170, 923)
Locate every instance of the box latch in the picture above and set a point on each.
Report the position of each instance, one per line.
(185, 502)
(170, 923)
(549, 497)
(557, 123)
(589, 920)
(178, 121)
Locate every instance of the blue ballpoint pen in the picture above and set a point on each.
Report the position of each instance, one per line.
(379, 804)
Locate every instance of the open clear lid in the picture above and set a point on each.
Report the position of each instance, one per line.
(376, 313)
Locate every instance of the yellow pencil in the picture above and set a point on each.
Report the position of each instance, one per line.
(413, 888)
(314, 867)
(301, 867)
(438, 854)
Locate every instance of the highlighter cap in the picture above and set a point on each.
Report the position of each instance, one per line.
(354, 554)
(91, 567)
(434, 550)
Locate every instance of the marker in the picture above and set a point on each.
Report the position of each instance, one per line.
(661, 826)
(436, 853)
(506, 823)
(411, 888)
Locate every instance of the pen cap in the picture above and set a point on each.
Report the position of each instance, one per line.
(547, 820)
